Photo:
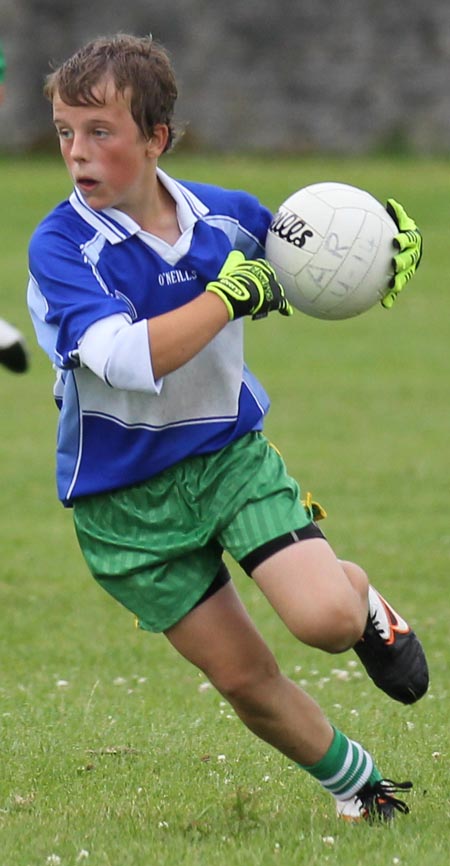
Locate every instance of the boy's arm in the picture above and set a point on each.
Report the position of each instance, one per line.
(178, 336)
(137, 356)
(242, 288)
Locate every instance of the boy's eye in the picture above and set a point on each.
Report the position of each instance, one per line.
(100, 133)
(64, 133)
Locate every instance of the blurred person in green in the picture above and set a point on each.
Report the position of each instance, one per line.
(13, 353)
(2, 74)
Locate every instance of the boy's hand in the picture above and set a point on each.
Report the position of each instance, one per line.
(409, 244)
(249, 287)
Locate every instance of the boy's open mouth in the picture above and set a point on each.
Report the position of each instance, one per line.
(86, 184)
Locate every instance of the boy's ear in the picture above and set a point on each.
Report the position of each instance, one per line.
(157, 144)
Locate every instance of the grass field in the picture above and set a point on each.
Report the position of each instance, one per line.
(114, 752)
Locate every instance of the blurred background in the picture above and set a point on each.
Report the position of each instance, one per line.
(295, 76)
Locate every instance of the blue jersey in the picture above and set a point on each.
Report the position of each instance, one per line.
(91, 268)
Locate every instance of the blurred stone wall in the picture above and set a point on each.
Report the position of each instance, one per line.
(290, 75)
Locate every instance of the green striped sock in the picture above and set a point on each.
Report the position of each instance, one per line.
(345, 768)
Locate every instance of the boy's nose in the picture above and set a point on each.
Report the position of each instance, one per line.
(78, 151)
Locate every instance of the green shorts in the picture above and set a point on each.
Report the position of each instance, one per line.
(157, 547)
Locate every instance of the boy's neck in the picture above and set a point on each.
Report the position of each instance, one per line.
(161, 218)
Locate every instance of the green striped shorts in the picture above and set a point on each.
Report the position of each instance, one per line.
(157, 547)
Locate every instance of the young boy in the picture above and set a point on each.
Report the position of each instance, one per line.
(138, 285)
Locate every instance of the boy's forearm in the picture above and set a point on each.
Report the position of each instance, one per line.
(178, 336)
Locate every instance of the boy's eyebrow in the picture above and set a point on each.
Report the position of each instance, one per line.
(61, 119)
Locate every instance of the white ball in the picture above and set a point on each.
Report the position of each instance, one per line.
(331, 247)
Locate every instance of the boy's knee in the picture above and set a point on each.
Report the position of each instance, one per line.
(344, 630)
(246, 686)
(336, 628)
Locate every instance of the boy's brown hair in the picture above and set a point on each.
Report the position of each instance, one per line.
(136, 64)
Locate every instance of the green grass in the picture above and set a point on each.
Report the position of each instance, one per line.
(112, 753)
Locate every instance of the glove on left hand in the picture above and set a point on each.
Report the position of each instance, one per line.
(410, 247)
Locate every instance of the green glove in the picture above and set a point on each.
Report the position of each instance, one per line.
(249, 287)
(409, 244)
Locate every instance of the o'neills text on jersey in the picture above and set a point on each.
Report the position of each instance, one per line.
(176, 276)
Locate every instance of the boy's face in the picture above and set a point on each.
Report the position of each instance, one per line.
(105, 153)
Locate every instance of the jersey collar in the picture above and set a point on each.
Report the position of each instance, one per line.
(116, 226)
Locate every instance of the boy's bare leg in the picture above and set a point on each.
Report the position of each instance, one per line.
(221, 640)
(219, 637)
(323, 601)
(329, 604)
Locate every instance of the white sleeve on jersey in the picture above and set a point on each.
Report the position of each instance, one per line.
(118, 351)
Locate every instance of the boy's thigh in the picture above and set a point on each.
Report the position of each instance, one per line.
(309, 588)
(220, 638)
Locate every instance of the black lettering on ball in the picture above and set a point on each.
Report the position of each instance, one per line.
(290, 228)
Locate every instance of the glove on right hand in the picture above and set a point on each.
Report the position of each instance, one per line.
(249, 287)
